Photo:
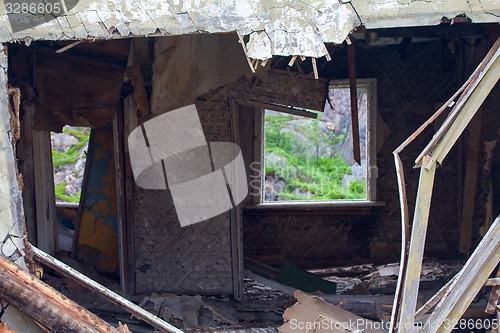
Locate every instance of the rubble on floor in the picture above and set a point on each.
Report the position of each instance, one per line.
(363, 291)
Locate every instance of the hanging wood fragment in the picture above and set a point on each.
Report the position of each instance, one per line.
(315, 68)
(69, 46)
(45, 304)
(242, 42)
(135, 310)
(351, 57)
(327, 54)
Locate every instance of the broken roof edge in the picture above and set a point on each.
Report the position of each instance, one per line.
(292, 29)
(395, 14)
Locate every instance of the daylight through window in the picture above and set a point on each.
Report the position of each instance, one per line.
(68, 158)
(309, 159)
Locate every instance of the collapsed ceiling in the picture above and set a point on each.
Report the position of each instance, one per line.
(279, 27)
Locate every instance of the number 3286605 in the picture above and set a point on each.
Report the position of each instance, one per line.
(33, 8)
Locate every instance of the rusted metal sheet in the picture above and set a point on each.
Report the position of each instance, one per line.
(97, 230)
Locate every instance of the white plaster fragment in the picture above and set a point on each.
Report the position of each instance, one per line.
(259, 46)
(291, 26)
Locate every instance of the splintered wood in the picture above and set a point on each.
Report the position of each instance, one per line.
(458, 294)
(313, 314)
(4, 328)
(45, 304)
(135, 310)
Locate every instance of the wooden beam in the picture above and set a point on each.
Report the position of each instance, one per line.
(27, 170)
(416, 249)
(403, 200)
(472, 278)
(44, 190)
(119, 145)
(45, 304)
(351, 57)
(135, 310)
(279, 108)
(470, 182)
(236, 219)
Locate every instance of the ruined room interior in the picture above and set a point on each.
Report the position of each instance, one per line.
(239, 270)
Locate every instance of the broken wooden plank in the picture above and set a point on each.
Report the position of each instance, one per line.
(123, 328)
(28, 171)
(45, 304)
(279, 108)
(44, 191)
(433, 300)
(4, 328)
(351, 58)
(493, 281)
(313, 314)
(69, 46)
(119, 139)
(416, 249)
(289, 291)
(315, 68)
(491, 307)
(135, 310)
(405, 237)
(243, 45)
(471, 279)
(405, 224)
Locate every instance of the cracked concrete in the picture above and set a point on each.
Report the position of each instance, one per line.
(276, 27)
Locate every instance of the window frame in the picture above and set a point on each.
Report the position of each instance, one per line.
(372, 170)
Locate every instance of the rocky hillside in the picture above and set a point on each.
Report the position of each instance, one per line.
(312, 159)
(69, 155)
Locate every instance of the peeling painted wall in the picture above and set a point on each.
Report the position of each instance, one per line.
(11, 211)
(279, 27)
(97, 234)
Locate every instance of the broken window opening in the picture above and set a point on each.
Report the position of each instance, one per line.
(69, 156)
(311, 160)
